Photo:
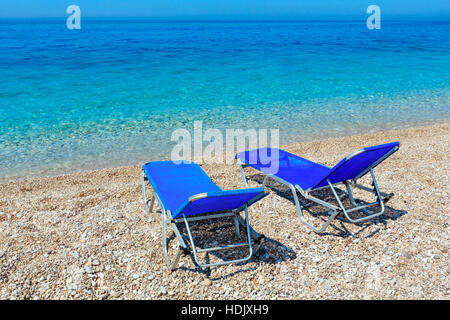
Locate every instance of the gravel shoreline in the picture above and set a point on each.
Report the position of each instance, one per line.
(87, 236)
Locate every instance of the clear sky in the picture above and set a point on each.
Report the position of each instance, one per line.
(230, 9)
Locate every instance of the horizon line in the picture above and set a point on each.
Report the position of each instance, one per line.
(237, 19)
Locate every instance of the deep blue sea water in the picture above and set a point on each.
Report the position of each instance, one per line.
(113, 92)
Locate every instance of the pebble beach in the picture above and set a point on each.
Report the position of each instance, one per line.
(86, 235)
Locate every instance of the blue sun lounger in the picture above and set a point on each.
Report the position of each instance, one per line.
(185, 193)
(305, 176)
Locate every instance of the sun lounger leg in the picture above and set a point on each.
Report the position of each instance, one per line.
(236, 225)
(353, 201)
(300, 208)
(242, 173)
(171, 264)
(152, 203)
(144, 196)
(148, 207)
(249, 237)
(265, 180)
(257, 237)
(206, 265)
(370, 215)
(302, 219)
(254, 234)
(350, 194)
(378, 193)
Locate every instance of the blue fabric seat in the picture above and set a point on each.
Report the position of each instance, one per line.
(290, 167)
(311, 175)
(302, 175)
(175, 184)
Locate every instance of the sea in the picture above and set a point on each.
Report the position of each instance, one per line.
(114, 92)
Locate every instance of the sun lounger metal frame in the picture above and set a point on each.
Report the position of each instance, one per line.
(254, 239)
(382, 197)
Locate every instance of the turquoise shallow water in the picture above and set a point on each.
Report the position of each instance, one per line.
(112, 93)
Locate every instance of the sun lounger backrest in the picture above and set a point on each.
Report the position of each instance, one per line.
(358, 163)
(220, 201)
